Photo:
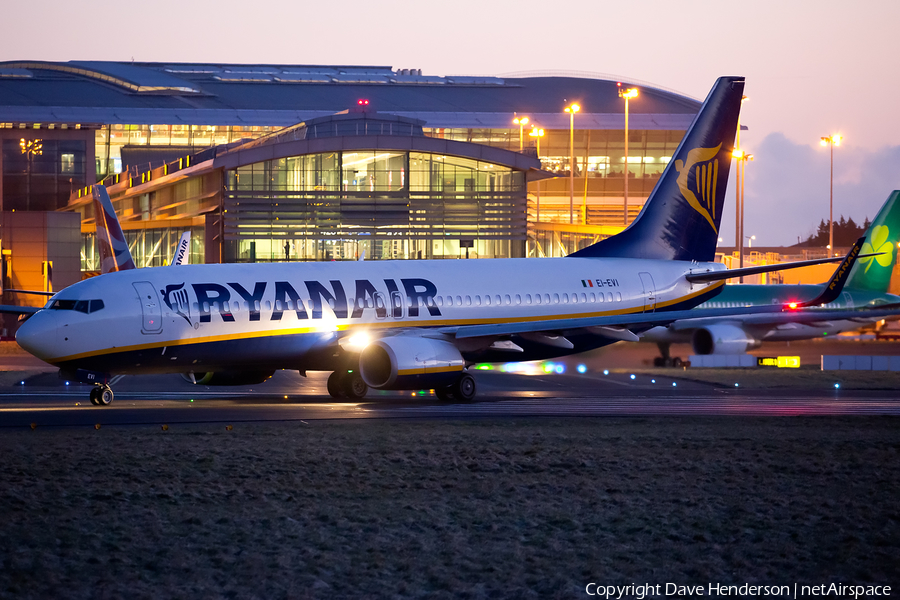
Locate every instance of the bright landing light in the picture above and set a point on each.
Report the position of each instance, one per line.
(359, 340)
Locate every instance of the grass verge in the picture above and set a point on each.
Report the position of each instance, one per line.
(529, 508)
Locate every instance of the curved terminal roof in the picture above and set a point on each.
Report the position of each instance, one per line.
(361, 130)
(102, 92)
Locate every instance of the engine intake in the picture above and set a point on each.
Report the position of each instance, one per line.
(722, 339)
(404, 363)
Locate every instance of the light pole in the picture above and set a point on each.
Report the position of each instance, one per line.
(572, 110)
(738, 224)
(741, 177)
(521, 122)
(628, 94)
(831, 140)
(537, 133)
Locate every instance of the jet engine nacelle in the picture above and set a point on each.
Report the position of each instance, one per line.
(405, 363)
(722, 339)
(229, 377)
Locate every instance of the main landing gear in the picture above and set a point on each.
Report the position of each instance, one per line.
(665, 359)
(461, 389)
(101, 395)
(343, 384)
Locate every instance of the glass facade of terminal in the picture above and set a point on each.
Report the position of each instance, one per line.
(598, 153)
(39, 172)
(110, 139)
(380, 204)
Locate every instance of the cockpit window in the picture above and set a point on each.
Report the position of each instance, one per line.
(84, 306)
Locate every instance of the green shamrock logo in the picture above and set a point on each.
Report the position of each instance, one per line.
(881, 244)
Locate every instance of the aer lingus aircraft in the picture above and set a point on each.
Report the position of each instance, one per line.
(406, 324)
(866, 288)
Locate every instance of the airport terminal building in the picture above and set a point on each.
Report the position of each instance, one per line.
(282, 162)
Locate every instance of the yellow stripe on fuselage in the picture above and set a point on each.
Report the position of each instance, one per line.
(400, 324)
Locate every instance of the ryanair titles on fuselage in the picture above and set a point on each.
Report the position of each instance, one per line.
(365, 296)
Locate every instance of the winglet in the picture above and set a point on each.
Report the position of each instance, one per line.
(835, 285)
(114, 253)
(182, 251)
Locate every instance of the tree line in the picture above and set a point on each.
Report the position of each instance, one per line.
(846, 232)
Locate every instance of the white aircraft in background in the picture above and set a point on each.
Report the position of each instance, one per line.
(406, 324)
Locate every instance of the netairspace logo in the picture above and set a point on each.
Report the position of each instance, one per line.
(649, 590)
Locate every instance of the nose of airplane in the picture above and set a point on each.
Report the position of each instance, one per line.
(38, 335)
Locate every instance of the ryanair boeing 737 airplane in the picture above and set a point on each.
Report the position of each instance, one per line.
(403, 324)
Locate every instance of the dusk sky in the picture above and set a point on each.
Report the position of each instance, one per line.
(813, 68)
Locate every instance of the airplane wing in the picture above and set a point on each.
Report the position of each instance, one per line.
(627, 322)
(812, 316)
(11, 309)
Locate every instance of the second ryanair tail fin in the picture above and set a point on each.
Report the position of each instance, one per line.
(680, 220)
(182, 250)
(114, 253)
(874, 272)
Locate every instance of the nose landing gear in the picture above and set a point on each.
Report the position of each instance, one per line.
(101, 395)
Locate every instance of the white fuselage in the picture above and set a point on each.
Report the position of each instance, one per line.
(288, 315)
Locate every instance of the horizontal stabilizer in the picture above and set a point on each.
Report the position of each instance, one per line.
(710, 276)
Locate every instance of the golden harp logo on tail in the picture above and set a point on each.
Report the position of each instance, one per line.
(706, 179)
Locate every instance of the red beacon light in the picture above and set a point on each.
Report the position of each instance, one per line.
(362, 102)
(792, 305)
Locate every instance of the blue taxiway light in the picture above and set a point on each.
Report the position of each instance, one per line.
(837, 386)
(674, 384)
(582, 369)
(606, 371)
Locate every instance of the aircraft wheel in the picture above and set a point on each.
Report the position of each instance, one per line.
(95, 396)
(353, 386)
(676, 362)
(444, 394)
(658, 361)
(104, 395)
(464, 388)
(335, 389)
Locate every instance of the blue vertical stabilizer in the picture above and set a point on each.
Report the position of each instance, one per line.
(680, 220)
